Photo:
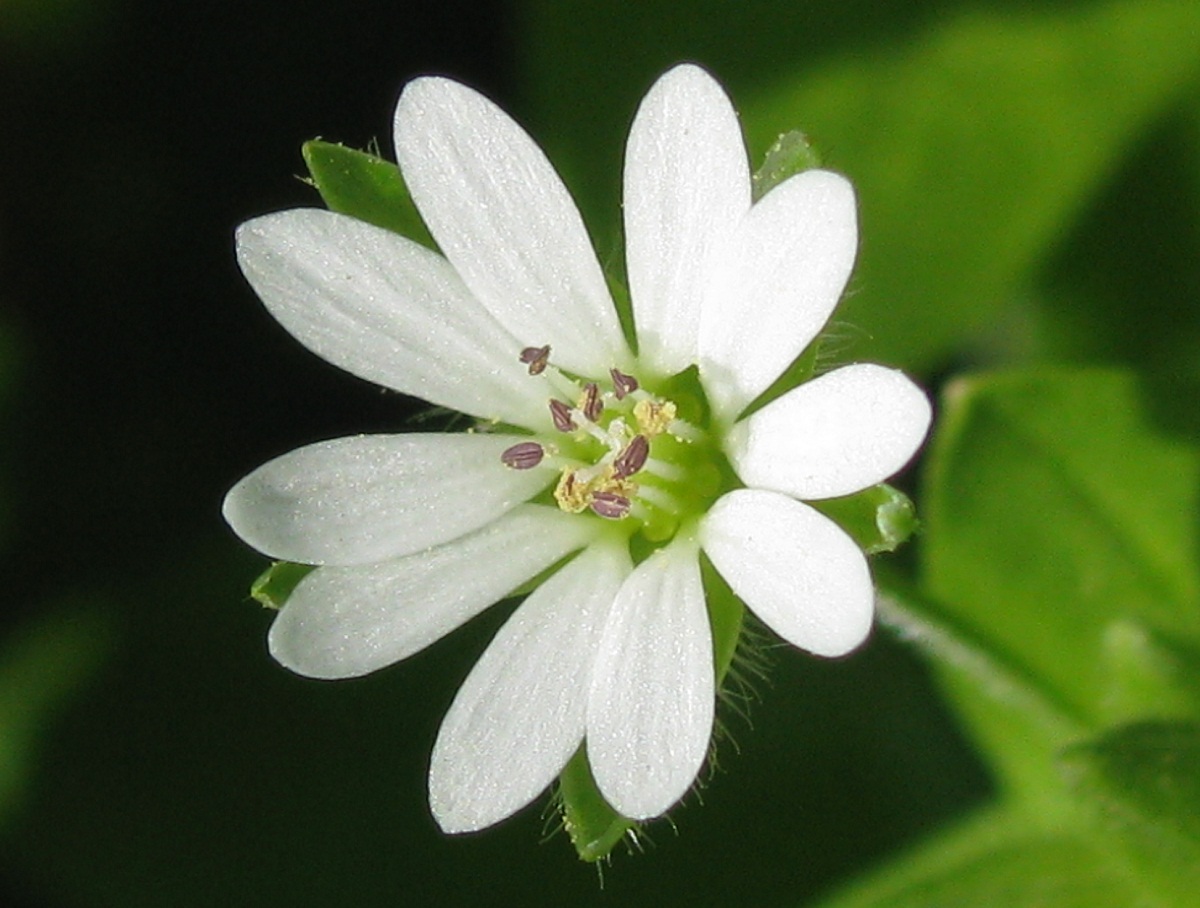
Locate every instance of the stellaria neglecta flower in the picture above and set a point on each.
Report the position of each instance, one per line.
(602, 471)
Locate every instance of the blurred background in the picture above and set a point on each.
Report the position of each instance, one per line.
(1029, 180)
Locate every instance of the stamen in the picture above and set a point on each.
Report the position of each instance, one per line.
(561, 414)
(633, 458)
(653, 417)
(536, 358)
(524, 455)
(610, 505)
(572, 496)
(622, 384)
(590, 403)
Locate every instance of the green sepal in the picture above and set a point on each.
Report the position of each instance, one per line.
(366, 187)
(594, 828)
(273, 586)
(1140, 784)
(879, 519)
(790, 154)
(726, 616)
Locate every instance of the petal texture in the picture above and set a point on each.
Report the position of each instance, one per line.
(650, 713)
(687, 186)
(519, 716)
(374, 497)
(387, 310)
(505, 221)
(795, 568)
(341, 622)
(837, 434)
(782, 274)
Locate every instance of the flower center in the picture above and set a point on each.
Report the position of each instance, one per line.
(623, 452)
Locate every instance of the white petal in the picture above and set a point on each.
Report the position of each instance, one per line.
(687, 186)
(387, 310)
(840, 433)
(504, 219)
(794, 567)
(519, 716)
(375, 497)
(650, 713)
(783, 274)
(341, 622)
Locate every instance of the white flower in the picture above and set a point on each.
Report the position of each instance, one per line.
(608, 457)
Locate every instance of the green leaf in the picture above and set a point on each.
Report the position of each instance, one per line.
(366, 187)
(1053, 508)
(1142, 782)
(1147, 674)
(999, 860)
(272, 587)
(976, 147)
(1017, 722)
(1058, 518)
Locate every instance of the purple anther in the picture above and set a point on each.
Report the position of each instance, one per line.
(633, 458)
(536, 358)
(561, 414)
(524, 455)
(610, 505)
(593, 405)
(622, 384)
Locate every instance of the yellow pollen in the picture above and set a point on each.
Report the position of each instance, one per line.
(575, 494)
(653, 417)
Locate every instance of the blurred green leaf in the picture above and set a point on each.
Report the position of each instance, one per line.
(41, 665)
(999, 860)
(1144, 780)
(366, 187)
(1055, 513)
(1019, 725)
(1147, 675)
(1054, 507)
(974, 149)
